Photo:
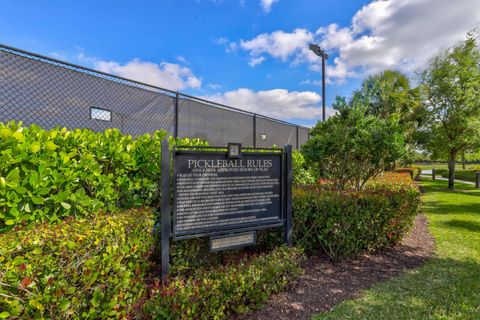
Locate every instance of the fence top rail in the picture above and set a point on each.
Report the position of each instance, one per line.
(77, 68)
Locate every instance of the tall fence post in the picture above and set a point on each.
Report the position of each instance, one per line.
(254, 130)
(298, 146)
(477, 179)
(433, 174)
(175, 124)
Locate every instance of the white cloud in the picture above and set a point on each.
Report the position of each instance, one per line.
(167, 75)
(214, 86)
(400, 34)
(221, 40)
(267, 5)
(278, 44)
(182, 60)
(317, 83)
(276, 103)
(255, 60)
(59, 55)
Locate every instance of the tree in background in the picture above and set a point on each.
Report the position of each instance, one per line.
(473, 156)
(351, 147)
(389, 93)
(451, 87)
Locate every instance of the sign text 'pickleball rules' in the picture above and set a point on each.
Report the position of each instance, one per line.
(214, 192)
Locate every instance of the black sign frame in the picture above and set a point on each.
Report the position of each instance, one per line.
(278, 152)
(165, 208)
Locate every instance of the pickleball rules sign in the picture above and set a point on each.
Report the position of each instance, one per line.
(226, 194)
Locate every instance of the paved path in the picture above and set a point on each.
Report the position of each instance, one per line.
(428, 174)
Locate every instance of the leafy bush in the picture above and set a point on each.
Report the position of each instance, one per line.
(343, 223)
(414, 172)
(222, 291)
(85, 268)
(352, 147)
(45, 175)
(302, 175)
(101, 267)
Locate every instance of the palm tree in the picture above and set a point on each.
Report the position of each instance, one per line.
(388, 93)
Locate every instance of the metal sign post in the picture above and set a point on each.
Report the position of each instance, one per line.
(165, 207)
(288, 195)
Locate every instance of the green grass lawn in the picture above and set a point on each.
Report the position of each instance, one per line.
(446, 287)
(444, 166)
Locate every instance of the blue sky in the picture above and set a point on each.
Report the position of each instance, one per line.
(248, 53)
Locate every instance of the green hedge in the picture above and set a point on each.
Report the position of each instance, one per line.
(85, 268)
(414, 172)
(468, 175)
(344, 223)
(233, 288)
(45, 175)
(104, 267)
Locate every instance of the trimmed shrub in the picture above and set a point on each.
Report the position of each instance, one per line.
(85, 268)
(393, 181)
(104, 267)
(414, 172)
(225, 290)
(344, 223)
(46, 175)
(468, 175)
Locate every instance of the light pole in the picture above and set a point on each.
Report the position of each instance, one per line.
(319, 52)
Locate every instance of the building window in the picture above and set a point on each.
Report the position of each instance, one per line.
(100, 114)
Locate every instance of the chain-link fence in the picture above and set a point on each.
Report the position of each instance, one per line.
(40, 90)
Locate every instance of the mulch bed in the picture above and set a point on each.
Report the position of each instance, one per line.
(324, 284)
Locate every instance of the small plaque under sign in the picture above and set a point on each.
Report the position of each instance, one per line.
(232, 241)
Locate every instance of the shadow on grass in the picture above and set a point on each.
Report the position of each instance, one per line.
(443, 288)
(463, 224)
(442, 186)
(465, 192)
(463, 207)
(459, 191)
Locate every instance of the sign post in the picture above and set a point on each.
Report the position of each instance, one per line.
(226, 194)
(288, 195)
(165, 207)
